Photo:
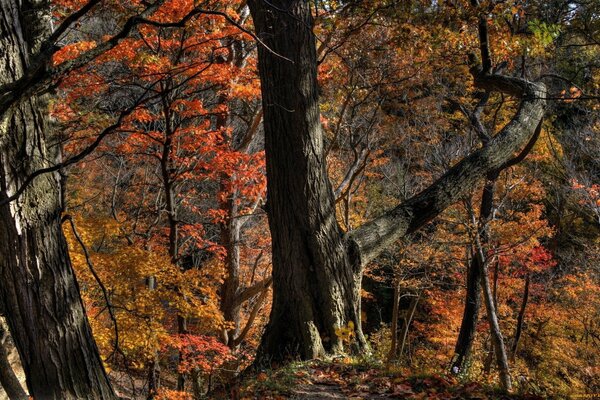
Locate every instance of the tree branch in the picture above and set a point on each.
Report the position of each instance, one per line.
(253, 290)
(369, 240)
(39, 75)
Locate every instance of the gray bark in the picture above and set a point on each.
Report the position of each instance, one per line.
(43, 306)
(369, 240)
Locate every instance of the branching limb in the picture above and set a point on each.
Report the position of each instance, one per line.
(369, 240)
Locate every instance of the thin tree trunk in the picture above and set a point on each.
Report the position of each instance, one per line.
(468, 327)
(154, 367)
(496, 334)
(230, 239)
(409, 317)
(393, 354)
(8, 380)
(42, 302)
(520, 319)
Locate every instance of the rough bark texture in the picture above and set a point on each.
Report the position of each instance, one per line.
(8, 379)
(369, 240)
(315, 289)
(41, 297)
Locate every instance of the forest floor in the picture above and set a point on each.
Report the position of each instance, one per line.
(342, 379)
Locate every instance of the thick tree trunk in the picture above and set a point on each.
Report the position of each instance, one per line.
(41, 296)
(315, 288)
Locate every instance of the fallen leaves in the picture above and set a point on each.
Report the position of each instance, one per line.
(321, 379)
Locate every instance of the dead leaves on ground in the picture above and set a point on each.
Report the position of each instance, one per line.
(361, 382)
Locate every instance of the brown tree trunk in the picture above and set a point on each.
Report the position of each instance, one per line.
(43, 306)
(393, 354)
(8, 380)
(315, 288)
(520, 319)
(470, 318)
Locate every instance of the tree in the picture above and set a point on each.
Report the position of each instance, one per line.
(316, 268)
(41, 296)
(8, 379)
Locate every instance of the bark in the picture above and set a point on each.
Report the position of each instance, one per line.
(392, 356)
(495, 332)
(41, 297)
(470, 318)
(369, 240)
(316, 271)
(8, 380)
(520, 319)
(468, 326)
(409, 317)
(315, 288)
(230, 238)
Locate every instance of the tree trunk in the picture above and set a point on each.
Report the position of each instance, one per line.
(409, 317)
(496, 334)
(315, 288)
(468, 326)
(393, 354)
(8, 380)
(154, 365)
(230, 239)
(520, 319)
(41, 296)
